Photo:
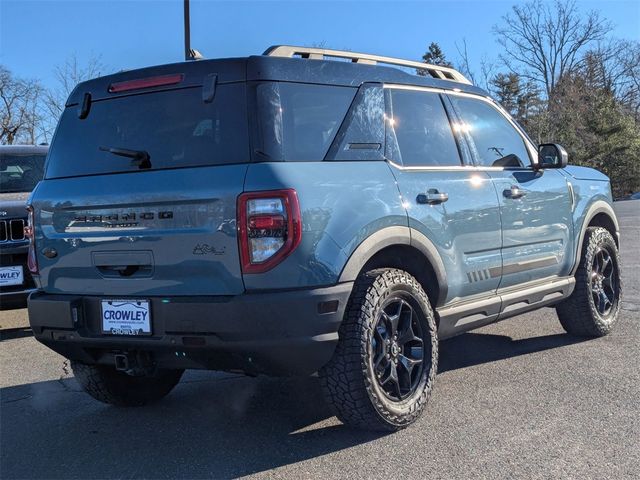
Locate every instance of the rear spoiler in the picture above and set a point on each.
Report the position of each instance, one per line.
(190, 74)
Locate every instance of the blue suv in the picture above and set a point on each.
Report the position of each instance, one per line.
(293, 213)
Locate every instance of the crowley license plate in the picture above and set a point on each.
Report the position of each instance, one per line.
(11, 276)
(126, 317)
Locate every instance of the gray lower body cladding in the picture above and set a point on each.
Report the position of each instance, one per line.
(277, 333)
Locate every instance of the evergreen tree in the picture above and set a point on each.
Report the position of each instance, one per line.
(596, 129)
(507, 91)
(433, 56)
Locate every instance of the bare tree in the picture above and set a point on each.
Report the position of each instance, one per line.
(465, 66)
(488, 67)
(19, 115)
(614, 65)
(548, 40)
(488, 70)
(67, 75)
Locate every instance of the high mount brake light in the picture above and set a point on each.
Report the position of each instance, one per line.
(269, 228)
(146, 83)
(29, 232)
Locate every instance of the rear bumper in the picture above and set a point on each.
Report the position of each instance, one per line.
(279, 333)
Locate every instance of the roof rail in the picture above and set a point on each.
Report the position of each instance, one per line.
(436, 71)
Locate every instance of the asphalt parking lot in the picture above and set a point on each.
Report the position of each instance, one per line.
(517, 399)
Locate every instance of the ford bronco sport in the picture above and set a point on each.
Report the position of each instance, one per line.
(287, 214)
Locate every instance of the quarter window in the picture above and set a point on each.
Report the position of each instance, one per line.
(493, 139)
(298, 122)
(422, 130)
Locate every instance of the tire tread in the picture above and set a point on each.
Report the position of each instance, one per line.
(345, 380)
(578, 314)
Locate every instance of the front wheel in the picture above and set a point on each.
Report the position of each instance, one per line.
(592, 309)
(384, 367)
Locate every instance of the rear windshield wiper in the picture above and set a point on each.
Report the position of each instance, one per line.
(141, 158)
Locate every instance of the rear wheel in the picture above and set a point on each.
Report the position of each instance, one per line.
(111, 386)
(384, 367)
(592, 309)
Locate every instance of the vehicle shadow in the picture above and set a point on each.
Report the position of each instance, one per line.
(211, 426)
(477, 348)
(13, 333)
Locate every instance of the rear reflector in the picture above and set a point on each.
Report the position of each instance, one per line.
(266, 221)
(146, 83)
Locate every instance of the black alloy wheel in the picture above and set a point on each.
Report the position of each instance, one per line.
(593, 307)
(397, 349)
(604, 282)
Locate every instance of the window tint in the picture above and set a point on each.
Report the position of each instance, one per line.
(175, 127)
(20, 173)
(298, 122)
(494, 141)
(422, 130)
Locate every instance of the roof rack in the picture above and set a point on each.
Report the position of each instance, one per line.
(436, 71)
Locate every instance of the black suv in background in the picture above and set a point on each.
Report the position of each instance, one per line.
(21, 168)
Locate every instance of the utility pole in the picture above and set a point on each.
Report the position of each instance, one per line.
(187, 32)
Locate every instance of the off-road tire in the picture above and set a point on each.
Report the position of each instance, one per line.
(111, 386)
(579, 314)
(348, 380)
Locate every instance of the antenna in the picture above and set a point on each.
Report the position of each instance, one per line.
(187, 32)
(189, 53)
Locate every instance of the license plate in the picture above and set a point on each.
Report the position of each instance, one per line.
(126, 317)
(11, 276)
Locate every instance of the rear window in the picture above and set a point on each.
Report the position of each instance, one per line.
(298, 122)
(176, 128)
(20, 173)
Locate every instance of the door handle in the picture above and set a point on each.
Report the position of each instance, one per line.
(514, 192)
(432, 197)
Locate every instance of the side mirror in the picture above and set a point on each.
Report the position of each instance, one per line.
(552, 155)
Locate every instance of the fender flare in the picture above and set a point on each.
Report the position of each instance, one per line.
(390, 236)
(599, 206)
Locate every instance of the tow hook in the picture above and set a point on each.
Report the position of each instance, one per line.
(122, 362)
(135, 364)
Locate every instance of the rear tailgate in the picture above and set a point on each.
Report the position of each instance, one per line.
(165, 232)
(141, 184)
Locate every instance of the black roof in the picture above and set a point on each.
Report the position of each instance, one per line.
(261, 67)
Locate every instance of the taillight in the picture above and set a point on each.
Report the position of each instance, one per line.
(29, 233)
(269, 228)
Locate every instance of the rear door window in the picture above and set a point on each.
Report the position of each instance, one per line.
(423, 134)
(298, 122)
(175, 127)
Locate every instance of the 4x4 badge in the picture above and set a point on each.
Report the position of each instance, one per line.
(205, 248)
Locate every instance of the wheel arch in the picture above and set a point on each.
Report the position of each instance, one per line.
(403, 248)
(599, 214)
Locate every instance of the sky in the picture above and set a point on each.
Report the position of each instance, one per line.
(35, 36)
